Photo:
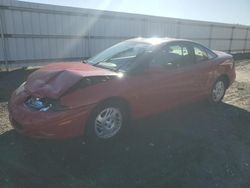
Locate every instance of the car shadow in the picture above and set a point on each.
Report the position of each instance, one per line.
(194, 146)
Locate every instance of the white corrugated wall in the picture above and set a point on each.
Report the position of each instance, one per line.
(36, 32)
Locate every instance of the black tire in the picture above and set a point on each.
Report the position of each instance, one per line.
(216, 100)
(90, 131)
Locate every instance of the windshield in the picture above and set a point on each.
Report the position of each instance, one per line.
(120, 56)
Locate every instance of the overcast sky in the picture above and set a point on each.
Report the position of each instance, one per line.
(226, 11)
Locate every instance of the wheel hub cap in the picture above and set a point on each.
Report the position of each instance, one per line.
(218, 91)
(108, 122)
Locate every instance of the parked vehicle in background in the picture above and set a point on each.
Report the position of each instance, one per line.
(133, 79)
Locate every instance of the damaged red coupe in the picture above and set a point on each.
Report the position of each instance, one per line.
(130, 80)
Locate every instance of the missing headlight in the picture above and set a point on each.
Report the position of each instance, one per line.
(43, 104)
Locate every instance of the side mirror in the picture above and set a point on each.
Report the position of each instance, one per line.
(142, 64)
(154, 68)
(170, 64)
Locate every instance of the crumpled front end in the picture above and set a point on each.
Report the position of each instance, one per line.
(38, 107)
(34, 123)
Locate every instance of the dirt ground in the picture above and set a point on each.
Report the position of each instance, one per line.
(194, 146)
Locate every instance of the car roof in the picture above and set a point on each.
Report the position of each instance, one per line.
(157, 40)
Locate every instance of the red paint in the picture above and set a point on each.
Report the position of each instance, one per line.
(148, 92)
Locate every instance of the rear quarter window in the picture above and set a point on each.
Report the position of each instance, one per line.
(200, 54)
(210, 54)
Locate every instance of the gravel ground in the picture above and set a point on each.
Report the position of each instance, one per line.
(193, 146)
(4, 121)
(239, 92)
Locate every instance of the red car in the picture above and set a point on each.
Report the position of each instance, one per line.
(130, 80)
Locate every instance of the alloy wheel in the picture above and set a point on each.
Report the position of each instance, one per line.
(108, 122)
(218, 91)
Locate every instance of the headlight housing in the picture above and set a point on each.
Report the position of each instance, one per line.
(44, 104)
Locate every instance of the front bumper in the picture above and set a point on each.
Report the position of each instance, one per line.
(55, 125)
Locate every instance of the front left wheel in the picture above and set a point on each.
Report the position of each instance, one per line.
(106, 122)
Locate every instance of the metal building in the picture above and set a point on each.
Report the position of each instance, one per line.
(32, 32)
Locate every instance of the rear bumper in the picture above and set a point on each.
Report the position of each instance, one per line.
(232, 76)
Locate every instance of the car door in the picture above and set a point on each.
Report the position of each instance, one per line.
(202, 70)
(168, 80)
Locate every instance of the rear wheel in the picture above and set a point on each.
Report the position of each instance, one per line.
(218, 91)
(106, 122)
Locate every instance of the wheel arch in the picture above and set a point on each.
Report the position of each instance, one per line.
(125, 104)
(117, 99)
(225, 77)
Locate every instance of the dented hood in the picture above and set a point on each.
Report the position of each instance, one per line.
(54, 79)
